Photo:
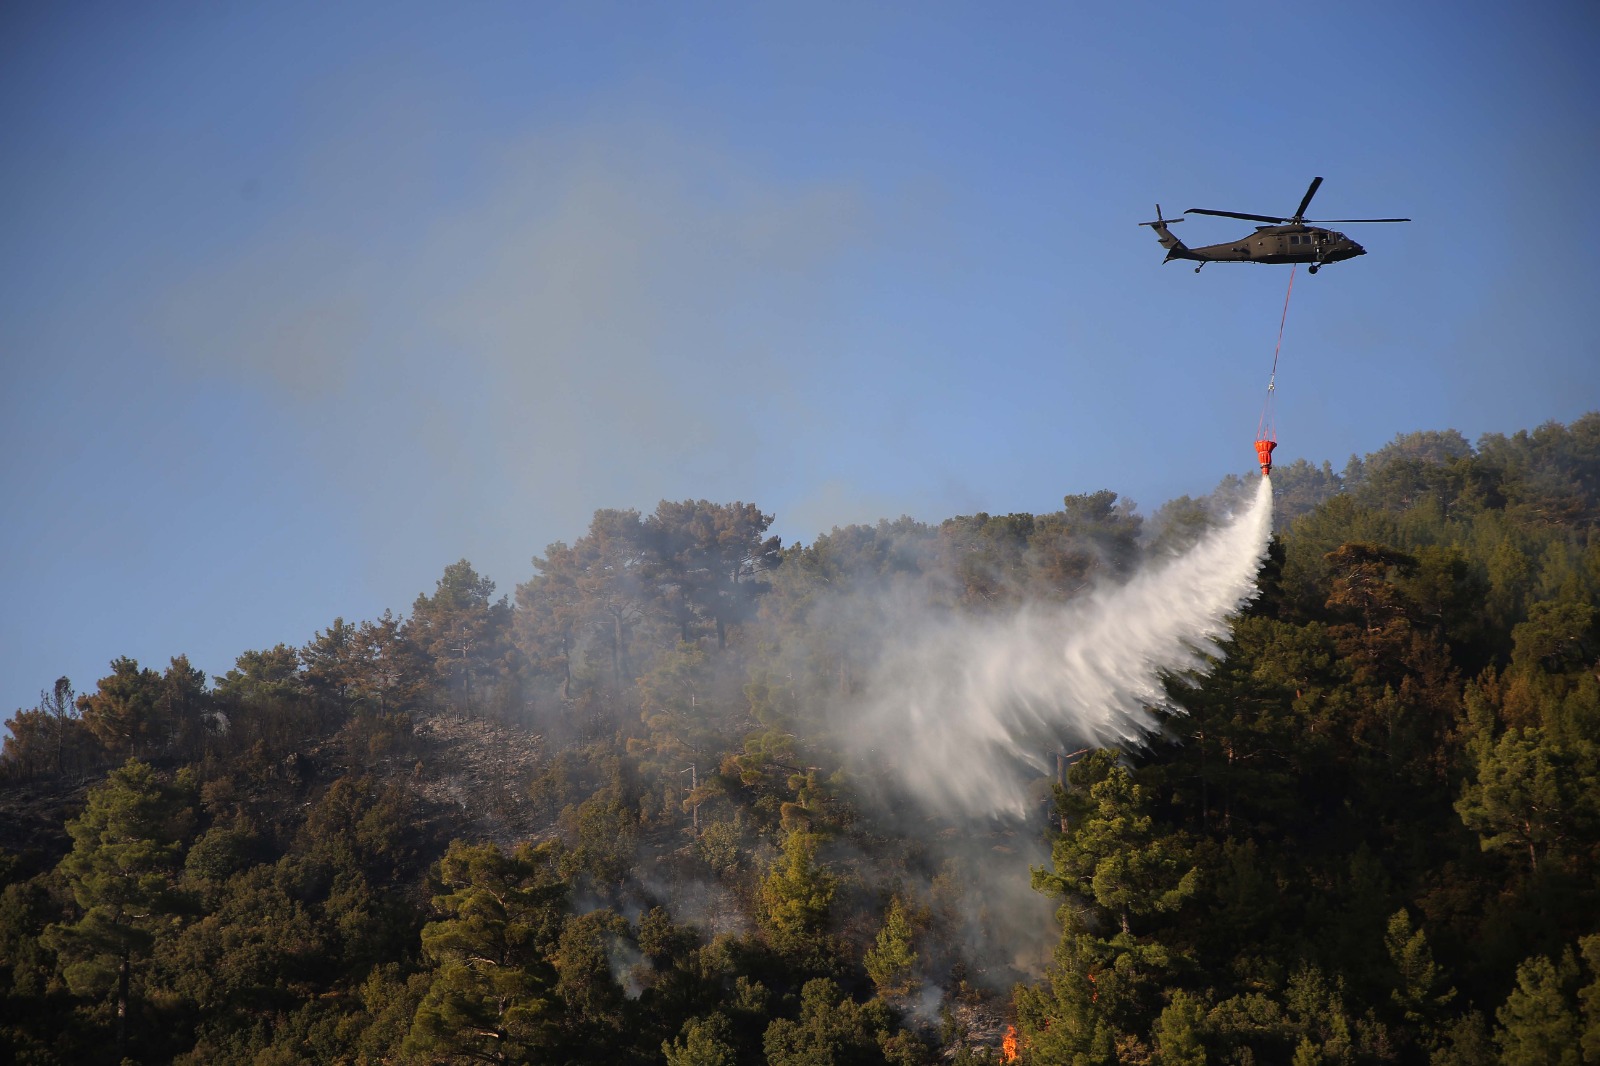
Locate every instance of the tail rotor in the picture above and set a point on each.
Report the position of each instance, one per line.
(1161, 223)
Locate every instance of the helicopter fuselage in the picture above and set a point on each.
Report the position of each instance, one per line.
(1277, 244)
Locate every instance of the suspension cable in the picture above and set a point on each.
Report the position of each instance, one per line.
(1265, 429)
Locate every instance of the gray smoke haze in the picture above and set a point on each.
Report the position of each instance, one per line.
(967, 710)
(607, 315)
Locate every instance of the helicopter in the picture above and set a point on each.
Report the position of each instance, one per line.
(1281, 240)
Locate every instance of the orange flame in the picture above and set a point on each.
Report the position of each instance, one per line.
(1008, 1046)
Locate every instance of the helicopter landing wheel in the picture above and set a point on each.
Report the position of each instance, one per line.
(1314, 267)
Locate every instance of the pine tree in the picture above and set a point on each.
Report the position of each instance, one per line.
(892, 961)
(796, 895)
(1417, 993)
(464, 632)
(491, 992)
(1178, 1031)
(122, 872)
(1520, 795)
(1115, 858)
(703, 1042)
(121, 712)
(1538, 1027)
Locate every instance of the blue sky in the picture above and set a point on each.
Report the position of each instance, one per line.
(300, 303)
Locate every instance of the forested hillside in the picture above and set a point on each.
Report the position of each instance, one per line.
(611, 817)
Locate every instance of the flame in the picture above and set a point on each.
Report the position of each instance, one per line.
(1008, 1046)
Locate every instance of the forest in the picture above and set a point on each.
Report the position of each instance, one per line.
(612, 816)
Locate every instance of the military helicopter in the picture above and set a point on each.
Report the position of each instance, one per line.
(1282, 240)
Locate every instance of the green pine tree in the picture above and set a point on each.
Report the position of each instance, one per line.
(891, 962)
(122, 871)
(1538, 1026)
(703, 1042)
(491, 996)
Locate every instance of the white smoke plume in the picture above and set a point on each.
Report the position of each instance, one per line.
(966, 710)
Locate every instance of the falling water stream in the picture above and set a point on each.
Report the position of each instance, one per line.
(974, 707)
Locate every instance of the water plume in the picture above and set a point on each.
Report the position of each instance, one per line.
(967, 710)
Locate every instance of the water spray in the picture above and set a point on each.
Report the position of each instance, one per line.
(975, 708)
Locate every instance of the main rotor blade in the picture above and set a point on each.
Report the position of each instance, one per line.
(1326, 221)
(1301, 210)
(1235, 214)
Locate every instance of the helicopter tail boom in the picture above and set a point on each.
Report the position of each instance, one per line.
(1176, 249)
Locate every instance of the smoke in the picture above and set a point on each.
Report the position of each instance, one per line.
(965, 711)
(629, 968)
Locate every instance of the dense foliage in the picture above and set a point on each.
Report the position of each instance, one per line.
(611, 820)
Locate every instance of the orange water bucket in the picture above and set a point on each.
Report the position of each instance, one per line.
(1264, 455)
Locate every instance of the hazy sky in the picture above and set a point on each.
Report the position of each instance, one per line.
(300, 303)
